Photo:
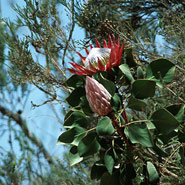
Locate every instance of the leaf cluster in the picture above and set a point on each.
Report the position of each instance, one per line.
(134, 142)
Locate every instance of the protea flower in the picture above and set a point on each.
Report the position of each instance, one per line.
(98, 97)
(99, 59)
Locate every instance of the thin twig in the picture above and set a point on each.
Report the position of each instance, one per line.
(71, 32)
(175, 94)
(120, 132)
(22, 123)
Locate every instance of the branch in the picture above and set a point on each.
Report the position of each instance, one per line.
(71, 31)
(120, 132)
(22, 123)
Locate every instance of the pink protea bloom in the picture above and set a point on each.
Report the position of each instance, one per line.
(98, 97)
(99, 59)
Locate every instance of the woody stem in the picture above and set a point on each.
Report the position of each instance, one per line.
(120, 132)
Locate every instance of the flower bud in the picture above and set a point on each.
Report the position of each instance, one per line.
(98, 97)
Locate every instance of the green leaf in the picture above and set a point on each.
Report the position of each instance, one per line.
(89, 145)
(164, 121)
(113, 179)
(106, 179)
(140, 74)
(75, 81)
(72, 136)
(116, 102)
(109, 161)
(181, 136)
(161, 69)
(84, 104)
(136, 104)
(126, 71)
(165, 138)
(152, 172)
(104, 127)
(97, 170)
(109, 85)
(159, 151)
(130, 61)
(150, 125)
(139, 133)
(143, 88)
(75, 119)
(73, 156)
(127, 174)
(177, 110)
(74, 98)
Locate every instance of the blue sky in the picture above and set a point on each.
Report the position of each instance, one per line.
(40, 120)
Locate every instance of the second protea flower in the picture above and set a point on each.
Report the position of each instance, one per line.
(98, 97)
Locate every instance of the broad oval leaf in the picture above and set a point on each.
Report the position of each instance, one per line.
(165, 138)
(126, 71)
(159, 151)
(181, 136)
(177, 110)
(84, 104)
(75, 81)
(89, 145)
(73, 156)
(139, 133)
(105, 127)
(74, 98)
(161, 70)
(143, 88)
(136, 104)
(74, 119)
(113, 179)
(152, 172)
(116, 102)
(129, 59)
(72, 136)
(98, 170)
(109, 161)
(127, 173)
(109, 85)
(140, 74)
(164, 121)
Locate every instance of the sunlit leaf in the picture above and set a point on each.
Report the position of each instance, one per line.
(152, 172)
(139, 133)
(76, 118)
(105, 127)
(126, 71)
(73, 156)
(109, 161)
(140, 74)
(72, 136)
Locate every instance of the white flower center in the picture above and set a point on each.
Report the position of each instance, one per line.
(103, 54)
